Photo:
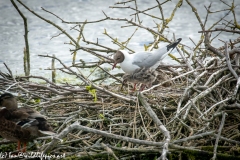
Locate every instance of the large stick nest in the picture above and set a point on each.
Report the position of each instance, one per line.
(192, 108)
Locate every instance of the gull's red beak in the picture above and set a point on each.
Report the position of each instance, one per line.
(114, 65)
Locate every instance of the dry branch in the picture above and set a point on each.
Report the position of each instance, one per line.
(182, 118)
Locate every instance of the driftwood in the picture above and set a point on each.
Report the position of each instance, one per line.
(196, 113)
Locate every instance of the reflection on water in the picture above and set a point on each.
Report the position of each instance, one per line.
(40, 35)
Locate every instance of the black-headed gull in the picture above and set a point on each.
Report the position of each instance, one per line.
(141, 75)
(130, 62)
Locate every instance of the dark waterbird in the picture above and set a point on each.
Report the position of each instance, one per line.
(21, 124)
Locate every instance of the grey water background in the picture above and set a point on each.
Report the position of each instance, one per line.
(41, 34)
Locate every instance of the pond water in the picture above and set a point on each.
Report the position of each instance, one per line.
(40, 33)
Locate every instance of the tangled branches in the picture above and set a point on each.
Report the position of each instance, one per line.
(185, 112)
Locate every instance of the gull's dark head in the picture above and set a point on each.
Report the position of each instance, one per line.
(118, 58)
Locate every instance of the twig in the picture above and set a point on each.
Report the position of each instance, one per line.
(194, 137)
(109, 150)
(229, 62)
(26, 50)
(186, 92)
(210, 47)
(76, 125)
(220, 29)
(160, 125)
(219, 134)
(89, 82)
(48, 21)
(216, 104)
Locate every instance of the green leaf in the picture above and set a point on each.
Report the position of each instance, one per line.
(92, 92)
(146, 47)
(101, 116)
(37, 100)
(105, 31)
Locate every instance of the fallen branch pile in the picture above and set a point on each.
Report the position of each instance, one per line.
(192, 108)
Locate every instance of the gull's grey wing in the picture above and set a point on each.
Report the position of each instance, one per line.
(149, 59)
(153, 59)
